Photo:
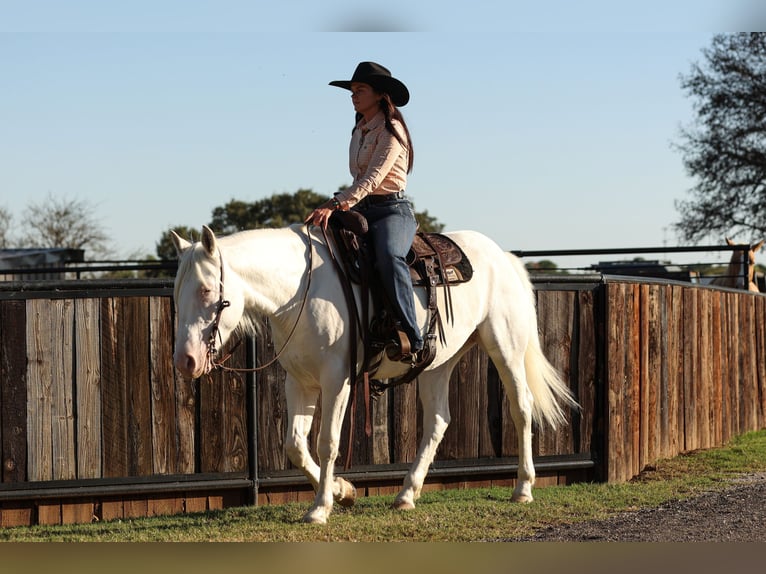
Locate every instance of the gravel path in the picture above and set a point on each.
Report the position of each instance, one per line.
(735, 514)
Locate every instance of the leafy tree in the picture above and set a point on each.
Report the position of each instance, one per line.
(5, 226)
(166, 249)
(62, 222)
(284, 209)
(725, 148)
(428, 223)
(279, 210)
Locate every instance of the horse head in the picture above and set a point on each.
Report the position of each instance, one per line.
(205, 315)
(738, 260)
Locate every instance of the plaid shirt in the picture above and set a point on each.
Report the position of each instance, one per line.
(377, 161)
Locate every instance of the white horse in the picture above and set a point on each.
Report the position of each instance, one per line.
(739, 269)
(264, 273)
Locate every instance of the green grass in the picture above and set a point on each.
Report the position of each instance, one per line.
(447, 516)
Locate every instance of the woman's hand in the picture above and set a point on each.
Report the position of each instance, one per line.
(320, 216)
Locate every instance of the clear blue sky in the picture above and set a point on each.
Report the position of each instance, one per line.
(546, 126)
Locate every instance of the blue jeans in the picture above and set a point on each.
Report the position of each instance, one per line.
(392, 228)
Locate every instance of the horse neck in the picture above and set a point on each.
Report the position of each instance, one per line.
(269, 265)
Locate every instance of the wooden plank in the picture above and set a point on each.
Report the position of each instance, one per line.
(16, 514)
(654, 353)
(690, 346)
(114, 406)
(13, 390)
(235, 415)
(615, 383)
(381, 453)
(113, 509)
(63, 439)
(49, 513)
(665, 359)
(676, 369)
(749, 421)
(223, 422)
(272, 407)
(186, 421)
(163, 400)
(211, 430)
(163, 506)
(194, 503)
(703, 383)
(39, 399)
(585, 387)
(136, 508)
(760, 319)
(80, 512)
(404, 426)
(734, 365)
(88, 380)
(138, 384)
(644, 434)
(716, 368)
(491, 426)
(461, 440)
(633, 370)
(472, 375)
(556, 320)
(726, 374)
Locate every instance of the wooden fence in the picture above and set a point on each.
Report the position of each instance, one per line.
(96, 424)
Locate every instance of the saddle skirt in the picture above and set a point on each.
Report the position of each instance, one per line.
(450, 264)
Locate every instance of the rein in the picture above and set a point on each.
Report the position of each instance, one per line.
(223, 303)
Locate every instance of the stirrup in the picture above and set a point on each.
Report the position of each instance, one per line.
(401, 347)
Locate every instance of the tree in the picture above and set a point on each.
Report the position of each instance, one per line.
(61, 222)
(166, 249)
(283, 209)
(725, 149)
(5, 226)
(427, 223)
(279, 210)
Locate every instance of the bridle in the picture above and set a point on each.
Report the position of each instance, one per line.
(215, 332)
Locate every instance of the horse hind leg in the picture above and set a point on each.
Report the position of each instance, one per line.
(434, 397)
(510, 367)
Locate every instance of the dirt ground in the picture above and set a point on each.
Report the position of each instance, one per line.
(736, 514)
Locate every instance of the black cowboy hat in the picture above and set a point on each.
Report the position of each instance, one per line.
(380, 79)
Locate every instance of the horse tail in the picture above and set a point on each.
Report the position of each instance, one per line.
(550, 393)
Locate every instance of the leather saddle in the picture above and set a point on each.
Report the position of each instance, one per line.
(434, 260)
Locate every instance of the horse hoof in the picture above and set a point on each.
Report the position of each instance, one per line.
(314, 517)
(522, 498)
(403, 505)
(317, 515)
(347, 496)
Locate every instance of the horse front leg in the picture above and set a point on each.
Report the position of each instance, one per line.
(301, 406)
(330, 488)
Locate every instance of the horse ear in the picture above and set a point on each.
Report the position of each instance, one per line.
(180, 243)
(208, 240)
(758, 245)
(729, 241)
